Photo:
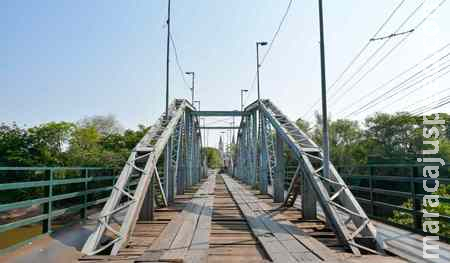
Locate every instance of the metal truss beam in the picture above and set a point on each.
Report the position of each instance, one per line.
(176, 134)
(217, 113)
(341, 209)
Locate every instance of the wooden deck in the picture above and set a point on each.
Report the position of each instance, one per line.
(225, 221)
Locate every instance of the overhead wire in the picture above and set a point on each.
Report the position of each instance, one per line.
(177, 60)
(405, 37)
(358, 55)
(370, 93)
(420, 81)
(269, 48)
(391, 50)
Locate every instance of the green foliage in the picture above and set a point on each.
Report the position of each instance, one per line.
(443, 208)
(213, 155)
(15, 146)
(96, 141)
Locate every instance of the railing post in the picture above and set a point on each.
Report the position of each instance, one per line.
(417, 216)
(47, 224)
(84, 211)
(371, 174)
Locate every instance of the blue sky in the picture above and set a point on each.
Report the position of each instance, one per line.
(64, 60)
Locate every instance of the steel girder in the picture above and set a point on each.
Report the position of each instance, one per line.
(342, 211)
(178, 134)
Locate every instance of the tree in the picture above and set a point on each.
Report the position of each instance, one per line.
(104, 125)
(213, 155)
(14, 146)
(49, 141)
(389, 135)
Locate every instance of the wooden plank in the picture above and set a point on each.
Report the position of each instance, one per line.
(274, 248)
(312, 244)
(301, 246)
(167, 237)
(186, 237)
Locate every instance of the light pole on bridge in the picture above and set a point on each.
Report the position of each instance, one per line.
(326, 146)
(258, 66)
(193, 84)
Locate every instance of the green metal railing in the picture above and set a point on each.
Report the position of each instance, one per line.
(384, 188)
(57, 191)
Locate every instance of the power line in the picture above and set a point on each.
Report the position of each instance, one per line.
(180, 69)
(275, 36)
(369, 94)
(380, 99)
(368, 60)
(393, 48)
(269, 48)
(358, 55)
(432, 106)
(392, 35)
(427, 98)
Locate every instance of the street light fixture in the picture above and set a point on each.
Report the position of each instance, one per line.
(193, 84)
(258, 66)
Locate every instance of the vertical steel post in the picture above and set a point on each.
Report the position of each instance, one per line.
(148, 207)
(181, 171)
(326, 145)
(189, 150)
(278, 181)
(309, 200)
(254, 145)
(85, 196)
(371, 174)
(417, 206)
(262, 153)
(168, 171)
(167, 150)
(167, 59)
(47, 224)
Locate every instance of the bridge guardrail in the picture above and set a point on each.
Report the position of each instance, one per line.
(54, 192)
(384, 188)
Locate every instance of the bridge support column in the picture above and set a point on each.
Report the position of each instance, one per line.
(278, 181)
(168, 172)
(148, 207)
(181, 167)
(263, 163)
(254, 144)
(309, 200)
(189, 150)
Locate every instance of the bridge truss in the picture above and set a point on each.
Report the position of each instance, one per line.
(276, 135)
(168, 159)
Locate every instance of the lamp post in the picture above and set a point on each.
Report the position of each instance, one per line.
(167, 61)
(242, 98)
(258, 66)
(326, 146)
(193, 84)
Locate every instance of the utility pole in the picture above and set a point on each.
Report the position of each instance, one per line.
(258, 66)
(326, 145)
(193, 85)
(167, 61)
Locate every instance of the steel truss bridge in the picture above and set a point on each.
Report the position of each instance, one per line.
(173, 144)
